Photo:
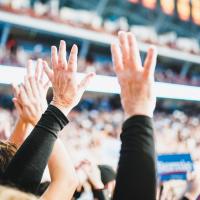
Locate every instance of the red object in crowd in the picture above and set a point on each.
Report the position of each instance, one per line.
(11, 43)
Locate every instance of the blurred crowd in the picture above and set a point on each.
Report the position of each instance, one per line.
(93, 134)
(15, 54)
(55, 10)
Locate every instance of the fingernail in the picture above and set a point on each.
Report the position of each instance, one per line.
(74, 46)
(53, 48)
(62, 42)
(153, 48)
(120, 33)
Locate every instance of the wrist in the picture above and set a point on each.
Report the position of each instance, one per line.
(21, 121)
(139, 107)
(33, 121)
(64, 109)
(129, 114)
(190, 196)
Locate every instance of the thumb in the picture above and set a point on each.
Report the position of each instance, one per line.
(85, 82)
(17, 106)
(15, 90)
(47, 85)
(47, 70)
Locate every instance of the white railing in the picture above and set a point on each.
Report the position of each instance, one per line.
(107, 84)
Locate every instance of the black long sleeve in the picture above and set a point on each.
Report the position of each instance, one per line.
(26, 168)
(136, 176)
(184, 198)
(99, 194)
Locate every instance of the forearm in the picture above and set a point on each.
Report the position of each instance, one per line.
(20, 132)
(63, 175)
(26, 168)
(136, 177)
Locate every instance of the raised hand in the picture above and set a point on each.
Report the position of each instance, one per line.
(30, 97)
(66, 91)
(136, 81)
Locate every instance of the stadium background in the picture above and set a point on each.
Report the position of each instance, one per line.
(28, 28)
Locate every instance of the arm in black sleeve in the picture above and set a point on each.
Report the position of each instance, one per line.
(26, 168)
(136, 176)
(99, 194)
(184, 198)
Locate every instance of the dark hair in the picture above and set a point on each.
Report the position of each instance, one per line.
(107, 174)
(7, 151)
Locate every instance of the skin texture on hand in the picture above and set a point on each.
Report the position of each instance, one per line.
(67, 92)
(30, 97)
(136, 81)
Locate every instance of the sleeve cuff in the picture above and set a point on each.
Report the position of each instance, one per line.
(53, 120)
(59, 114)
(141, 119)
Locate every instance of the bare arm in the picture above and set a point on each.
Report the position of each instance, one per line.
(63, 175)
(20, 132)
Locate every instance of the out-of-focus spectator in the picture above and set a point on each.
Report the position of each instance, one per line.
(94, 134)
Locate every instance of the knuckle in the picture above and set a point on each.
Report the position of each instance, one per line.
(70, 69)
(31, 79)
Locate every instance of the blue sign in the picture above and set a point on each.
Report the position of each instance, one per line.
(174, 166)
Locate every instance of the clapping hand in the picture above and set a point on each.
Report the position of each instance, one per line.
(30, 97)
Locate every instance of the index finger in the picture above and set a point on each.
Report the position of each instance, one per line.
(116, 57)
